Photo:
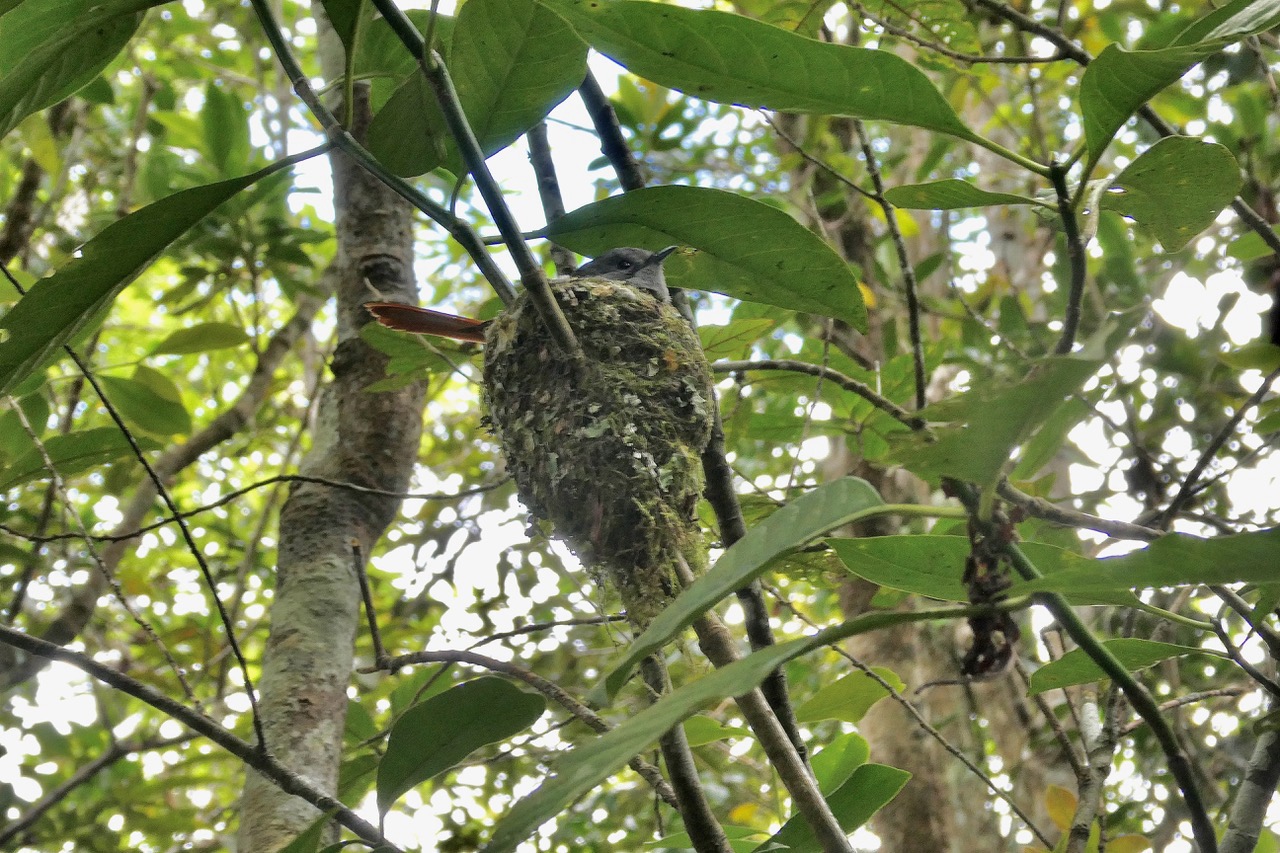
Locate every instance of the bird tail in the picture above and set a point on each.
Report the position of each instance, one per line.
(424, 321)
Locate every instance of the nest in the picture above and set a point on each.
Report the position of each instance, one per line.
(609, 451)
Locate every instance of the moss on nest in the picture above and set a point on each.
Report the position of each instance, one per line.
(609, 451)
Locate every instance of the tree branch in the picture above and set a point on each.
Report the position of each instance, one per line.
(254, 756)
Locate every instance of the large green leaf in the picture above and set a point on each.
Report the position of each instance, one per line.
(1176, 188)
(746, 249)
(933, 566)
(869, 789)
(985, 425)
(1173, 560)
(50, 49)
(1076, 667)
(511, 62)
(797, 523)
(1120, 81)
(57, 307)
(720, 56)
(71, 454)
(950, 194)
(437, 733)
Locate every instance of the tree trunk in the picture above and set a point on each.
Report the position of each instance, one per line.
(370, 439)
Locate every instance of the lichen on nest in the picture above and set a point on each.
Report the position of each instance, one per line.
(607, 449)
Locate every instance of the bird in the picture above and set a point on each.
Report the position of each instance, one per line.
(639, 268)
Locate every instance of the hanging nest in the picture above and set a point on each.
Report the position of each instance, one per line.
(609, 451)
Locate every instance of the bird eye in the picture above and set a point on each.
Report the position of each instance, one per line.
(625, 265)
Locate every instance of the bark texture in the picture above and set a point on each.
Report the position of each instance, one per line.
(370, 439)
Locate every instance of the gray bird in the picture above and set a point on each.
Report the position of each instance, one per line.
(639, 268)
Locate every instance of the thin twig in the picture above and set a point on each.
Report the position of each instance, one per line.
(370, 612)
(1067, 517)
(59, 487)
(612, 143)
(57, 795)
(717, 645)
(909, 285)
(544, 170)
(1075, 259)
(941, 739)
(1187, 489)
(231, 496)
(1189, 699)
(848, 383)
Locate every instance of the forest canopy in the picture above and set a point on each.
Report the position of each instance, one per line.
(929, 504)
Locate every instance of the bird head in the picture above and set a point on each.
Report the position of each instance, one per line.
(637, 267)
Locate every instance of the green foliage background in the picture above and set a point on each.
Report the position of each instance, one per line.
(151, 219)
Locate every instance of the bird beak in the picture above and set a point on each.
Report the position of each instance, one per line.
(661, 256)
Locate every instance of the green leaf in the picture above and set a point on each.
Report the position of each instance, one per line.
(1233, 21)
(511, 62)
(837, 760)
(989, 422)
(732, 59)
(1076, 667)
(934, 565)
(226, 130)
(869, 789)
(797, 523)
(848, 698)
(746, 249)
(700, 730)
(59, 306)
(735, 339)
(1251, 246)
(409, 135)
(203, 337)
(583, 769)
(72, 453)
(437, 733)
(1257, 355)
(951, 194)
(51, 48)
(1120, 81)
(143, 407)
(1176, 188)
(1172, 560)
(14, 440)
